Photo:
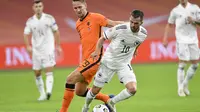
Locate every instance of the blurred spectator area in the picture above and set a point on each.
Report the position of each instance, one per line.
(14, 13)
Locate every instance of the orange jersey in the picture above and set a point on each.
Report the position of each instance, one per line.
(90, 29)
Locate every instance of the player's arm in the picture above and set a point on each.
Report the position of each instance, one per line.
(167, 30)
(27, 43)
(98, 47)
(197, 20)
(103, 21)
(27, 35)
(170, 24)
(56, 33)
(57, 37)
(107, 35)
(112, 23)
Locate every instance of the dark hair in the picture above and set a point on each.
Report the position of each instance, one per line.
(37, 1)
(83, 1)
(137, 13)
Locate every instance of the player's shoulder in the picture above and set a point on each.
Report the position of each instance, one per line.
(194, 6)
(123, 26)
(93, 14)
(96, 16)
(176, 8)
(143, 30)
(30, 19)
(48, 16)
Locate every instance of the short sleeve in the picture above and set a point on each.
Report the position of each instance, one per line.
(198, 14)
(103, 21)
(54, 25)
(172, 17)
(27, 29)
(110, 33)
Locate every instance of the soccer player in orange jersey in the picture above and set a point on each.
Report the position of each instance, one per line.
(89, 26)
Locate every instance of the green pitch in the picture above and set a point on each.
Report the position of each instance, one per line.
(157, 91)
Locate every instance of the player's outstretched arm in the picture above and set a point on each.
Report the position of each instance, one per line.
(98, 47)
(112, 23)
(167, 29)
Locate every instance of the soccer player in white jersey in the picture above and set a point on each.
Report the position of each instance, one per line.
(42, 28)
(125, 39)
(185, 17)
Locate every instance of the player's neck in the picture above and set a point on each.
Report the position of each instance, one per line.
(184, 4)
(135, 30)
(39, 15)
(82, 18)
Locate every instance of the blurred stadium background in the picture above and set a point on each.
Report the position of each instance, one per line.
(155, 66)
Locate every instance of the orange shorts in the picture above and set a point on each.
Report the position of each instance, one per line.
(88, 68)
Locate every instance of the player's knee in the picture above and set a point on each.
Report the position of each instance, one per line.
(132, 90)
(37, 73)
(181, 65)
(80, 92)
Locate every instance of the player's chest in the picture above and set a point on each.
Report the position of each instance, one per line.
(182, 14)
(130, 41)
(88, 26)
(39, 25)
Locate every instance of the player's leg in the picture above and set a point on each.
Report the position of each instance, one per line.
(127, 77)
(49, 81)
(38, 76)
(48, 62)
(40, 85)
(183, 55)
(91, 94)
(194, 56)
(102, 76)
(72, 79)
(82, 90)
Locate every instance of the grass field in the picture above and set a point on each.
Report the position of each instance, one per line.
(157, 91)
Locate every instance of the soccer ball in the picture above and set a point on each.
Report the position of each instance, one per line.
(100, 108)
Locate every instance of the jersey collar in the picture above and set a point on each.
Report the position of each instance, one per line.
(35, 17)
(84, 17)
(188, 5)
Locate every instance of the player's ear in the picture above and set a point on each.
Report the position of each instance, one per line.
(85, 5)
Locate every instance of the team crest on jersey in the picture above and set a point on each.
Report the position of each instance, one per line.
(123, 40)
(88, 24)
(136, 43)
(193, 13)
(99, 75)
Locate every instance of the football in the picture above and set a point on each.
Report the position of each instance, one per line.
(100, 108)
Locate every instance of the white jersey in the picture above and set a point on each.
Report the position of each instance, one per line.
(42, 33)
(185, 32)
(122, 46)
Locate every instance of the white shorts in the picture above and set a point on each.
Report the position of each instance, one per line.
(105, 74)
(187, 52)
(43, 61)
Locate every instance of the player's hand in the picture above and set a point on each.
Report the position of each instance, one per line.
(190, 20)
(135, 53)
(165, 42)
(59, 50)
(94, 55)
(29, 50)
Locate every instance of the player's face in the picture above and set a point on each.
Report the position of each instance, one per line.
(80, 9)
(38, 8)
(135, 23)
(183, 1)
